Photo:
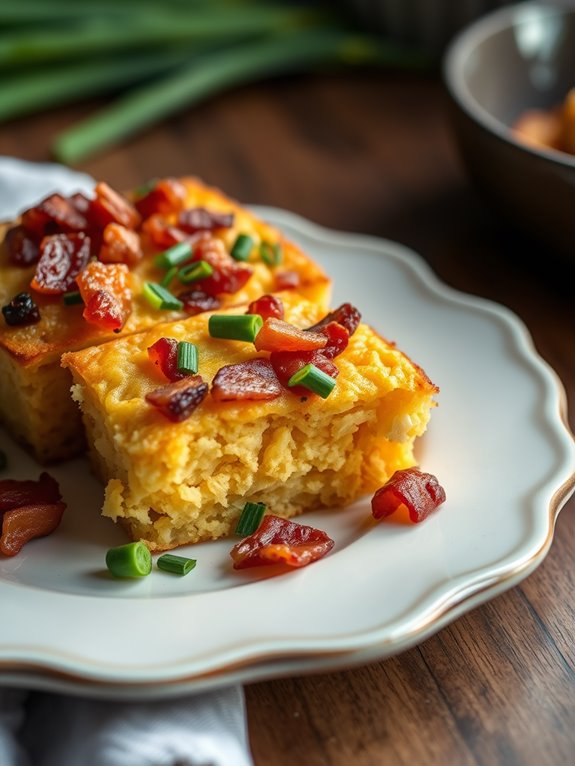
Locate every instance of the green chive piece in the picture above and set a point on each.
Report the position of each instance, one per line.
(130, 560)
(242, 247)
(169, 276)
(235, 327)
(187, 357)
(315, 379)
(271, 253)
(3, 460)
(176, 564)
(160, 298)
(173, 256)
(194, 272)
(70, 299)
(250, 519)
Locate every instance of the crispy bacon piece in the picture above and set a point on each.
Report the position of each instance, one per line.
(164, 354)
(109, 206)
(254, 379)
(22, 246)
(199, 219)
(277, 335)
(120, 245)
(28, 509)
(267, 306)
(105, 290)
(197, 301)
(178, 400)
(280, 541)
(337, 339)
(346, 315)
(286, 364)
(163, 234)
(54, 214)
(420, 492)
(167, 196)
(287, 280)
(22, 524)
(228, 276)
(62, 258)
(14, 493)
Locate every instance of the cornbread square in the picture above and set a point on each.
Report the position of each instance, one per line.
(35, 403)
(175, 483)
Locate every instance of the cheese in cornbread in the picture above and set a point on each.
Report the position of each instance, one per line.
(35, 403)
(175, 483)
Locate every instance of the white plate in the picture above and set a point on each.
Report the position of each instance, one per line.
(498, 443)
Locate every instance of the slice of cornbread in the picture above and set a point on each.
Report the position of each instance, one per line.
(176, 483)
(35, 403)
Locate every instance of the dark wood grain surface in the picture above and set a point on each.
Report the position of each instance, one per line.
(372, 152)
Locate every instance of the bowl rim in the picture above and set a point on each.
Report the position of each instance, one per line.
(459, 49)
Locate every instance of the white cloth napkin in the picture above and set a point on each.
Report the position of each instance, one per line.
(41, 729)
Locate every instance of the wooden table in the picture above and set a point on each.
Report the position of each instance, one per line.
(372, 152)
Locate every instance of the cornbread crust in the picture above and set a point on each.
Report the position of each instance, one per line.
(34, 390)
(171, 484)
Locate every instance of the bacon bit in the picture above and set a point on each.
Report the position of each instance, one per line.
(22, 524)
(267, 306)
(277, 335)
(337, 339)
(54, 214)
(254, 379)
(21, 311)
(199, 219)
(121, 245)
(280, 541)
(162, 234)
(105, 290)
(62, 258)
(164, 354)
(346, 315)
(22, 246)
(287, 280)
(197, 301)
(228, 276)
(15, 493)
(420, 492)
(178, 400)
(167, 196)
(111, 207)
(287, 363)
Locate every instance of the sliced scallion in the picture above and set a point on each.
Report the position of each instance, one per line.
(70, 299)
(194, 272)
(242, 247)
(176, 564)
(160, 298)
(235, 327)
(250, 519)
(173, 256)
(169, 276)
(130, 560)
(271, 253)
(314, 379)
(187, 357)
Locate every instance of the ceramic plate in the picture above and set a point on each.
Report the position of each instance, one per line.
(497, 441)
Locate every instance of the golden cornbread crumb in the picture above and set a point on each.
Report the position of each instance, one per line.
(34, 389)
(176, 483)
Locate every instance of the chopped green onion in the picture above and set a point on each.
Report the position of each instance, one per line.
(315, 379)
(3, 460)
(242, 247)
(250, 519)
(194, 272)
(173, 256)
(271, 253)
(130, 560)
(169, 276)
(72, 298)
(160, 298)
(187, 357)
(176, 564)
(235, 327)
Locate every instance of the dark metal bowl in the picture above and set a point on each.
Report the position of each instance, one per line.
(518, 58)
